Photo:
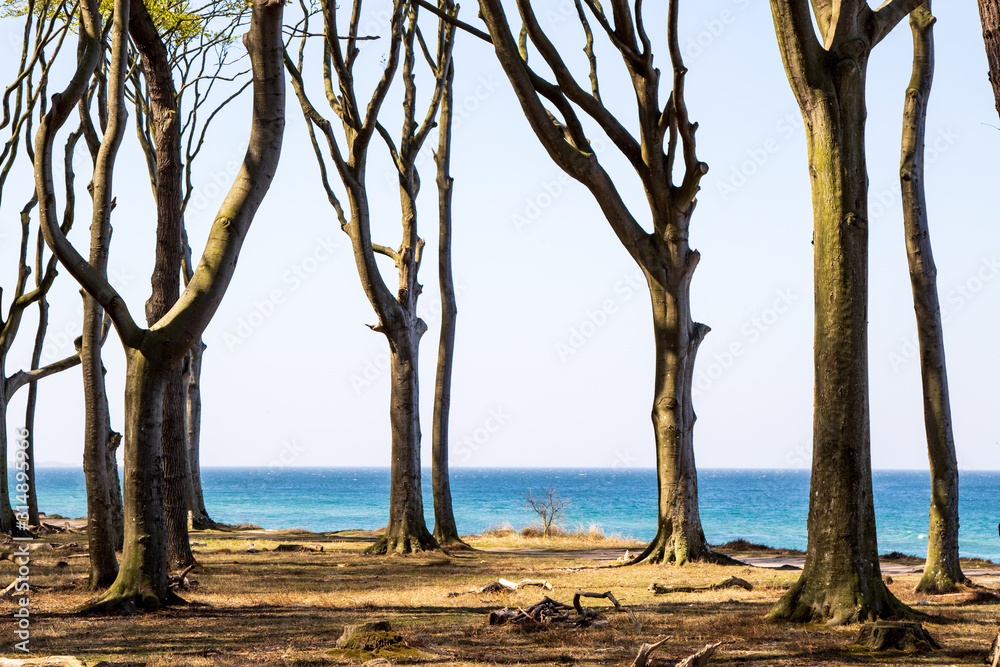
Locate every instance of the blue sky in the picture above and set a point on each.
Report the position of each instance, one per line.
(554, 356)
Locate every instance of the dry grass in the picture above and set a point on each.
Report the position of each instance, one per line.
(288, 608)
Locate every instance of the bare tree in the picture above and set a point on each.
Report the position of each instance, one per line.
(663, 136)
(397, 313)
(45, 28)
(841, 580)
(152, 353)
(445, 528)
(942, 570)
(549, 506)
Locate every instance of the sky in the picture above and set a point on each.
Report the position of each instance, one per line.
(554, 357)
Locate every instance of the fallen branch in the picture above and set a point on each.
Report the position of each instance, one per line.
(299, 547)
(504, 586)
(548, 611)
(607, 596)
(701, 658)
(646, 651)
(731, 582)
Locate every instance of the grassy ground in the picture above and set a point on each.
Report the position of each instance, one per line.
(289, 608)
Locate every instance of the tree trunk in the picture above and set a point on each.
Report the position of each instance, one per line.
(142, 581)
(841, 580)
(115, 490)
(942, 570)
(97, 431)
(176, 483)
(407, 531)
(200, 520)
(29, 410)
(445, 529)
(989, 12)
(679, 535)
(166, 278)
(8, 522)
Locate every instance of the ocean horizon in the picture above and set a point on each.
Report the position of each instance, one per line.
(763, 506)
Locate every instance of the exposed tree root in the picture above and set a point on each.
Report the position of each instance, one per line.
(731, 582)
(128, 601)
(839, 605)
(404, 543)
(680, 551)
(884, 635)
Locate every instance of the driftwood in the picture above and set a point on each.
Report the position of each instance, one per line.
(993, 657)
(299, 547)
(181, 582)
(699, 659)
(731, 582)
(548, 611)
(504, 586)
(905, 636)
(607, 596)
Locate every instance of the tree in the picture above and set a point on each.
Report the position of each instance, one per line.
(397, 314)
(841, 580)
(942, 570)
(989, 13)
(187, 46)
(445, 528)
(665, 133)
(548, 506)
(45, 30)
(152, 353)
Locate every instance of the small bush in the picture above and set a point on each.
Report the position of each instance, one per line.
(505, 529)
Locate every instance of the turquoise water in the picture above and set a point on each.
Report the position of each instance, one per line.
(763, 506)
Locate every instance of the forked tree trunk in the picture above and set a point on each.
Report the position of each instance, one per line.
(841, 580)
(142, 578)
(989, 13)
(679, 535)
(445, 529)
(942, 570)
(166, 278)
(407, 531)
(198, 514)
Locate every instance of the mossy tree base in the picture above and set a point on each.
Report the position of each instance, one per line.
(680, 550)
(839, 605)
(116, 601)
(403, 543)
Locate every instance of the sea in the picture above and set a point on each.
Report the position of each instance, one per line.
(763, 506)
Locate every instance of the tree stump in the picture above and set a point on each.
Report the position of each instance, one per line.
(905, 636)
(370, 636)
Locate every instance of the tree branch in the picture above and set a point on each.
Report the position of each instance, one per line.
(21, 378)
(885, 18)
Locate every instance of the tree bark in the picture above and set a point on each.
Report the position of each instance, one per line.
(166, 278)
(841, 580)
(942, 571)
(198, 514)
(407, 531)
(679, 535)
(445, 528)
(115, 491)
(8, 522)
(29, 410)
(142, 581)
(97, 426)
(989, 13)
